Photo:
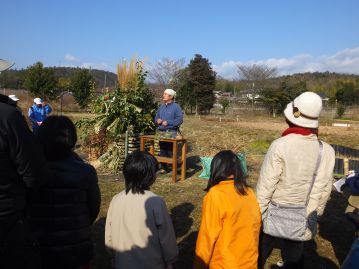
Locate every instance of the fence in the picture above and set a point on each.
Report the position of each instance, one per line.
(346, 159)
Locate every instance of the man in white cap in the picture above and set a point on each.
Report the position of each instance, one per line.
(38, 113)
(168, 119)
(289, 176)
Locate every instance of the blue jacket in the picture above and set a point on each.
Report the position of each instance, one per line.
(37, 114)
(352, 259)
(353, 183)
(172, 113)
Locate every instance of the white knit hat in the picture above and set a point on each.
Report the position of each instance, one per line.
(305, 109)
(170, 92)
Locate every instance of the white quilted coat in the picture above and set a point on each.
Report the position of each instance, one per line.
(287, 171)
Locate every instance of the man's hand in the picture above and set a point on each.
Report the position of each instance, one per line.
(164, 123)
(159, 121)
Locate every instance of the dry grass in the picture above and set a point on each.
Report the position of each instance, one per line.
(127, 74)
(206, 137)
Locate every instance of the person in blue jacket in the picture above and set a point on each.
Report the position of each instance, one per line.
(38, 113)
(352, 259)
(351, 187)
(168, 119)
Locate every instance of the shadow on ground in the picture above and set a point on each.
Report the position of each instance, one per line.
(102, 258)
(182, 221)
(335, 227)
(193, 164)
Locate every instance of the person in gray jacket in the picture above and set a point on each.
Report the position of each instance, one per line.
(139, 231)
(287, 173)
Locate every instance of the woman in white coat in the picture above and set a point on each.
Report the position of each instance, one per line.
(287, 172)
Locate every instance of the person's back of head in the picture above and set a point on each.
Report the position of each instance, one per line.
(226, 165)
(57, 135)
(139, 170)
(304, 111)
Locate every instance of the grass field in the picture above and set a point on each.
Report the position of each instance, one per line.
(206, 136)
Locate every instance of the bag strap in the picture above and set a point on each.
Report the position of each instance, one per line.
(315, 171)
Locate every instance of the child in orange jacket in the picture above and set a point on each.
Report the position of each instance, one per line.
(231, 220)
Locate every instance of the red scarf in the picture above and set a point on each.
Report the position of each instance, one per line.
(300, 130)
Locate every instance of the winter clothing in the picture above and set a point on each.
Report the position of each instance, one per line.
(352, 260)
(63, 212)
(305, 109)
(171, 113)
(229, 231)
(139, 231)
(291, 251)
(21, 169)
(352, 182)
(351, 187)
(300, 130)
(287, 172)
(38, 114)
(285, 178)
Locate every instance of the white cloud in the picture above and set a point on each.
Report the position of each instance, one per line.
(100, 66)
(71, 58)
(344, 61)
(76, 62)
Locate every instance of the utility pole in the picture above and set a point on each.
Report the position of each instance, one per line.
(104, 84)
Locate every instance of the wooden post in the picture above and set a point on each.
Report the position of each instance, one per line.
(174, 161)
(142, 144)
(183, 159)
(346, 166)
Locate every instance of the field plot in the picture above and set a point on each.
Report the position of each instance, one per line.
(207, 136)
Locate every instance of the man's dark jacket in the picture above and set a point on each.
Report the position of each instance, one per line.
(63, 211)
(21, 165)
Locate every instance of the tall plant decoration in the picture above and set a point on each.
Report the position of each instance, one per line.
(129, 108)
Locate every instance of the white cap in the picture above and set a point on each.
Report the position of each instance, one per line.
(38, 101)
(170, 92)
(14, 97)
(305, 109)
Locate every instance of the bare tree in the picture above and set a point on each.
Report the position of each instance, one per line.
(256, 75)
(164, 70)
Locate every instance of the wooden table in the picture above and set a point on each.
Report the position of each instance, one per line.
(173, 161)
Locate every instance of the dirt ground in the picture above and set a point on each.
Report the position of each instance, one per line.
(206, 136)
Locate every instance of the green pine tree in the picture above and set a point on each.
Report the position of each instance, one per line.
(82, 87)
(202, 81)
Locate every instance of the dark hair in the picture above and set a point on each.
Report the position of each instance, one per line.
(225, 165)
(57, 135)
(139, 171)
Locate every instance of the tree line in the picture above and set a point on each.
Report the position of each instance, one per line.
(194, 84)
(51, 82)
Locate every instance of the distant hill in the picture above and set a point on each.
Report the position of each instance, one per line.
(13, 79)
(320, 82)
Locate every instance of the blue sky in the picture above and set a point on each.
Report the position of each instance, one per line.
(294, 36)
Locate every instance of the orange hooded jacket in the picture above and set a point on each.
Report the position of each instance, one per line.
(229, 233)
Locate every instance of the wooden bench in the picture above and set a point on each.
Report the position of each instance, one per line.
(173, 161)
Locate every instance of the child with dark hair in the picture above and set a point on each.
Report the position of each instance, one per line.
(139, 232)
(230, 225)
(63, 211)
